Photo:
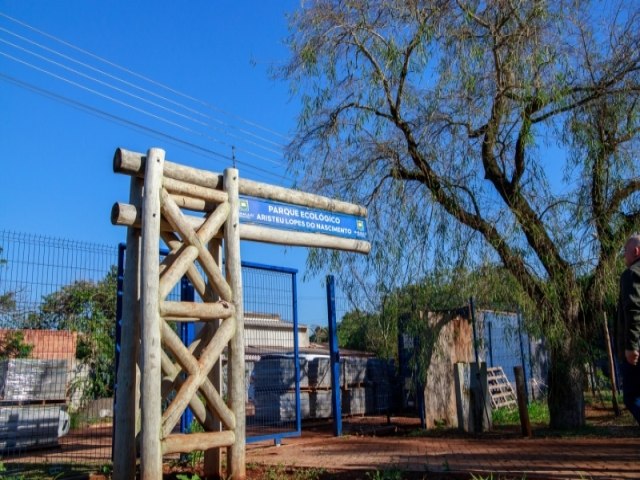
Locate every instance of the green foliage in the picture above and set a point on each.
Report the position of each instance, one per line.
(538, 414)
(14, 346)
(281, 472)
(88, 308)
(391, 474)
(476, 135)
(320, 335)
(183, 476)
(371, 332)
(7, 299)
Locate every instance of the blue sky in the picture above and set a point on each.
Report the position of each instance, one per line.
(80, 78)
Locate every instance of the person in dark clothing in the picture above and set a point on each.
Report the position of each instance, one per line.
(628, 326)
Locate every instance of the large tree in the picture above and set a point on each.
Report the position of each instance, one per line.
(480, 131)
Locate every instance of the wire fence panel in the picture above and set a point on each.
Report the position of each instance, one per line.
(274, 372)
(505, 344)
(367, 383)
(57, 310)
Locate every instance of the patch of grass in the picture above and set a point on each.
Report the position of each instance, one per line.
(280, 472)
(538, 415)
(491, 477)
(391, 474)
(43, 471)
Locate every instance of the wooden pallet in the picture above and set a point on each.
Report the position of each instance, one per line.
(501, 391)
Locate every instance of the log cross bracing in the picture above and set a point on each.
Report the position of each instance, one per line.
(174, 381)
(196, 248)
(197, 369)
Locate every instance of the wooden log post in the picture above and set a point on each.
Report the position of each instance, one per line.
(124, 452)
(236, 453)
(213, 456)
(150, 448)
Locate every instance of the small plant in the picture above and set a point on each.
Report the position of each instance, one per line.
(538, 414)
(308, 473)
(195, 457)
(14, 346)
(392, 474)
(275, 473)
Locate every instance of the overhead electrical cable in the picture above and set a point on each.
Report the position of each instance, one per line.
(142, 89)
(137, 97)
(133, 107)
(131, 124)
(142, 77)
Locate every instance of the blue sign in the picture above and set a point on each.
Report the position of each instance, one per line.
(285, 216)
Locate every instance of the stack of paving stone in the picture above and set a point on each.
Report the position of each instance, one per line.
(275, 383)
(32, 403)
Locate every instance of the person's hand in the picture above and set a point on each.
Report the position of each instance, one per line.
(632, 356)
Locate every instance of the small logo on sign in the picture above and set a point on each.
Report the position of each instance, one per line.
(360, 225)
(244, 205)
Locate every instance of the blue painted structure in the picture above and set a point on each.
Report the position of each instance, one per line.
(334, 354)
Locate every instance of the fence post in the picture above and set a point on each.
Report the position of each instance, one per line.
(334, 353)
(119, 292)
(126, 413)
(472, 310)
(187, 294)
(490, 343)
(296, 349)
(151, 449)
(524, 368)
(236, 452)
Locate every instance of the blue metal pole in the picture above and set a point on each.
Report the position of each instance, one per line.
(296, 350)
(472, 309)
(120, 285)
(490, 342)
(334, 354)
(120, 288)
(187, 294)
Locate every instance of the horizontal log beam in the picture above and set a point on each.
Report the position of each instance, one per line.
(126, 215)
(302, 239)
(186, 443)
(132, 163)
(194, 204)
(297, 197)
(204, 311)
(179, 187)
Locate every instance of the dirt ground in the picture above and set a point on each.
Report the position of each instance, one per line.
(600, 419)
(601, 422)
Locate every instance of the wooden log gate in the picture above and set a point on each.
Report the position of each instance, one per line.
(155, 367)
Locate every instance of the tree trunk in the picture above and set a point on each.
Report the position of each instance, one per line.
(566, 386)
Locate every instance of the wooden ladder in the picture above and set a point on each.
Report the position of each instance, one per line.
(502, 394)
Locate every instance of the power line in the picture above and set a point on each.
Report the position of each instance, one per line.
(137, 97)
(142, 89)
(142, 77)
(133, 107)
(131, 124)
